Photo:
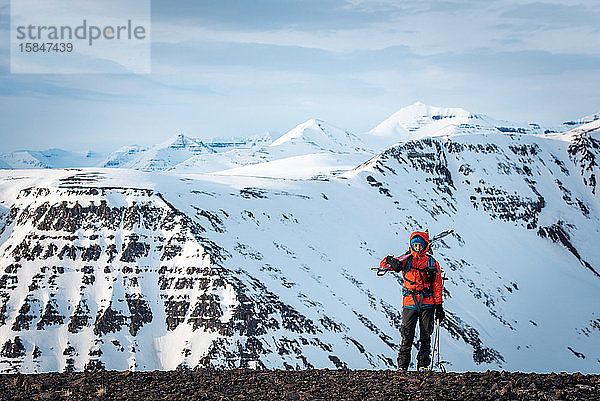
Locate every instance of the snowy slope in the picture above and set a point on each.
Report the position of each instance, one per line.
(51, 158)
(590, 127)
(207, 163)
(216, 270)
(314, 165)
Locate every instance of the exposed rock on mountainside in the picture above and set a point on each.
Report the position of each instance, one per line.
(584, 152)
(113, 266)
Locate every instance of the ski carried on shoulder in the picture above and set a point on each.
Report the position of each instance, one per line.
(441, 235)
(384, 268)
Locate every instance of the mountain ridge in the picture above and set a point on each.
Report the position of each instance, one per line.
(408, 123)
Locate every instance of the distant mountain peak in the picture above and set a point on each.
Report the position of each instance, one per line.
(50, 158)
(181, 141)
(583, 120)
(423, 110)
(419, 120)
(413, 122)
(319, 136)
(158, 157)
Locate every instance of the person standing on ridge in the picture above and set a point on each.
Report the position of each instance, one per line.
(422, 291)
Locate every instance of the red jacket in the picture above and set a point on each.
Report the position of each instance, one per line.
(423, 285)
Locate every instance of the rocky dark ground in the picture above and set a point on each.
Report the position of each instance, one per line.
(299, 385)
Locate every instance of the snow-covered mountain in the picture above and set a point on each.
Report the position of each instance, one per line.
(583, 120)
(319, 148)
(159, 157)
(420, 120)
(222, 144)
(122, 269)
(185, 153)
(314, 148)
(51, 158)
(317, 136)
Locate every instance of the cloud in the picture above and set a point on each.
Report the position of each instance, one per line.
(4, 27)
(317, 61)
(518, 63)
(241, 67)
(553, 15)
(426, 27)
(261, 15)
(113, 89)
(282, 58)
(39, 87)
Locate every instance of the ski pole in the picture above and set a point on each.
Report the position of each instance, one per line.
(435, 340)
(439, 362)
(437, 345)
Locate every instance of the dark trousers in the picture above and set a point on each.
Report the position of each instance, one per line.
(409, 323)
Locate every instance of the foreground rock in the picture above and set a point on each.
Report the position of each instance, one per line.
(299, 385)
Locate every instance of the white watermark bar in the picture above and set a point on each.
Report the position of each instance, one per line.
(80, 36)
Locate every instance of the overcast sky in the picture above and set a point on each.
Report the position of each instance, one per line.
(234, 68)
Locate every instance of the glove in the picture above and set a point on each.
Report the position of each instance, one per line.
(393, 262)
(439, 312)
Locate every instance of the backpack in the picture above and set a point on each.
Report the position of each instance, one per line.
(430, 273)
